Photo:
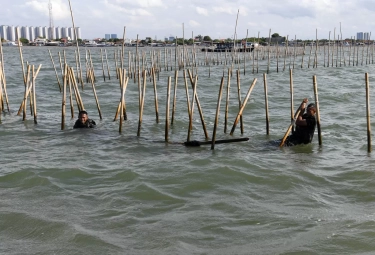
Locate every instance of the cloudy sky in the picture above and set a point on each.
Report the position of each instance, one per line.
(216, 18)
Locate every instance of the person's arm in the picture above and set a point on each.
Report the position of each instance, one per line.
(300, 121)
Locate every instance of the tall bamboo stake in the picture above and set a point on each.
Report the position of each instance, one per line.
(242, 107)
(142, 102)
(2, 77)
(106, 58)
(369, 148)
(227, 101)
(317, 110)
(187, 96)
(122, 48)
(101, 55)
(167, 109)
(239, 98)
(266, 104)
(291, 95)
(64, 99)
(194, 84)
(175, 95)
(217, 113)
(155, 95)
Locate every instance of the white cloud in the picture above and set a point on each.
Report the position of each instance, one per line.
(201, 11)
(194, 23)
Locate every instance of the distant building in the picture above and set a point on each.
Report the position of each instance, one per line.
(11, 33)
(114, 36)
(360, 36)
(4, 32)
(366, 36)
(25, 33)
(32, 33)
(171, 38)
(58, 33)
(107, 36)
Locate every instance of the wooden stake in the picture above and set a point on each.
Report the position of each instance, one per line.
(54, 67)
(317, 110)
(93, 88)
(227, 102)
(242, 107)
(217, 113)
(369, 148)
(290, 126)
(167, 109)
(174, 96)
(266, 104)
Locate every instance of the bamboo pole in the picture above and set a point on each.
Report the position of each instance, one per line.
(76, 90)
(142, 102)
(155, 95)
(79, 72)
(122, 48)
(198, 104)
(24, 101)
(194, 84)
(34, 95)
(187, 97)
(167, 109)
(21, 57)
(2, 77)
(64, 99)
(317, 110)
(174, 96)
(54, 67)
(93, 88)
(227, 101)
(217, 113)
(101, 55)
(369, 148)
(242, 107)
(106, 58)
(239, 98)
(70, 96)
(122, 100)
(291, 95)
(266, 104)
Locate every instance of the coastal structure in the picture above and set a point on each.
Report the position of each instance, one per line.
(9, 33)
(110, 36)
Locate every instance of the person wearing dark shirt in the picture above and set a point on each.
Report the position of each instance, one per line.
(305, 126)
(84, 121)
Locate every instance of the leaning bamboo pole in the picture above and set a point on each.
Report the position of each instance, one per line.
(217, 113)
(290, 126)
(291, 95)
(242, 107)
(193, 83)
(102, 58)
(124, 84)
(369, 148)
(93, 89)
(79, 55)
(2, 77)
(106, 59)
(54, 67)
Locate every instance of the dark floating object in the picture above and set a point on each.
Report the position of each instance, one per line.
(199, 143)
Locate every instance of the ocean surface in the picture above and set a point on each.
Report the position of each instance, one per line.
(99, 191)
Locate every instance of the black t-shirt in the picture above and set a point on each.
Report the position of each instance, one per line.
(303, 134)
(89, 124)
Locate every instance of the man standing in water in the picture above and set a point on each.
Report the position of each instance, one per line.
(305, 126)
(84, 121)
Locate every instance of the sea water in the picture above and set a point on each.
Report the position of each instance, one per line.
(98, 191)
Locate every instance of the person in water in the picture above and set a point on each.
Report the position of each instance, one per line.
(84, 121)
(305, 125)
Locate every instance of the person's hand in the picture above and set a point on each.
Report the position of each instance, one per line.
(303, 105)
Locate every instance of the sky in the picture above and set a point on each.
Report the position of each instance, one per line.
(216, 18)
